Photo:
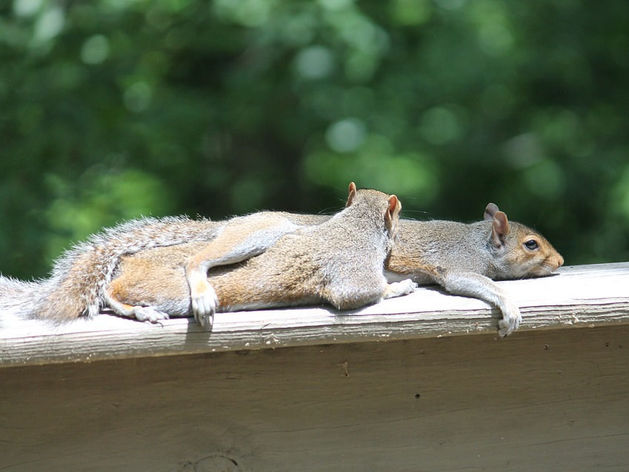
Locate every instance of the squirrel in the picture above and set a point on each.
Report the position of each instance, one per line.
(339, 261)
(462, 258)
(465, 259)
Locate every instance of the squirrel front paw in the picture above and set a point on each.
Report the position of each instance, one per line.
(204, 302)
(511, 319)
(397, 289)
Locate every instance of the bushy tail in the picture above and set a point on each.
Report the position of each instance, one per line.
(19, 302)
(80, 276)
(20, 299)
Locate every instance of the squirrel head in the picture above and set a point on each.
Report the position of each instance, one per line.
(391, 205)
(519, 248)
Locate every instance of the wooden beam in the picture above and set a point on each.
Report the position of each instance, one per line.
(542, 400)
(593, 295)
(309, 389)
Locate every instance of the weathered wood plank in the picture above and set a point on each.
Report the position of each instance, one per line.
(594, 295)
(543, 400)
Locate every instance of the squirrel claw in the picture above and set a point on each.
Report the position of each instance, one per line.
(510, 322)
(204, 305)
(147, 313)
(206, 320)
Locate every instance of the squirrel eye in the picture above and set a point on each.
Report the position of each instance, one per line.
(531, 244)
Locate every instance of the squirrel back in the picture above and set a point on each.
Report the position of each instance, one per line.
(340, 261)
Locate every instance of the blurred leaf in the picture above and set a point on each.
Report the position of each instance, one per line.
(119, 108)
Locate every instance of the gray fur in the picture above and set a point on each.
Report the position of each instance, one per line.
(86, 269)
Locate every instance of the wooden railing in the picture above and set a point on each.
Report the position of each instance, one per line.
(594, 295)
(417, 383)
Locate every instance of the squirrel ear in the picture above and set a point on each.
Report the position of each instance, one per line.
(393, 209)
(490, 211)
(352, 194)
(394, 204)
(499, 228)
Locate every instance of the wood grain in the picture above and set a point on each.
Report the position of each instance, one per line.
(543, 400)
(594, 295)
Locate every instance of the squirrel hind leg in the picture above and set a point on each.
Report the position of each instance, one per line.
(140, 313)
(398, 289)
(148, 313)
(350, 297)
(241, 239)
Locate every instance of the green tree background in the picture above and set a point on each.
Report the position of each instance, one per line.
(113, 109)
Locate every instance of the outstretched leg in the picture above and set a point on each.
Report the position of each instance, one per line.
(150, 286)
(475, 285)
(239, 240)
(139, 312)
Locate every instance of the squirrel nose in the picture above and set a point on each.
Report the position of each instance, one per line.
(559, 260)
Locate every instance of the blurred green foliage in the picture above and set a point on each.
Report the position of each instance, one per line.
(113, 109)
